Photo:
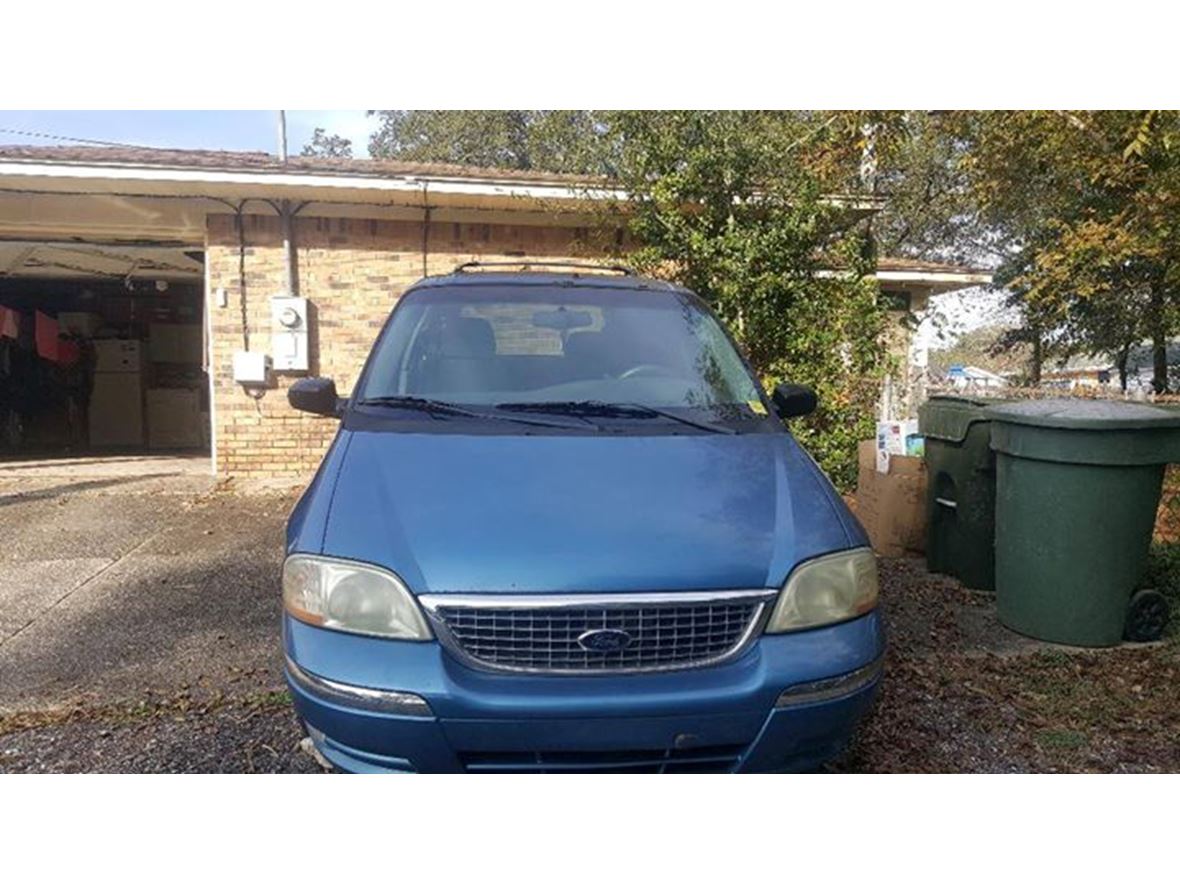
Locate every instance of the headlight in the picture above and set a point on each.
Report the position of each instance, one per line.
(825, 590)
(350, 596)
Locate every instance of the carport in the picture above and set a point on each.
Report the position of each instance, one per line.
(197, 262)
(102, 332)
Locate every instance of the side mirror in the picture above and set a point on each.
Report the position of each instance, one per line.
(315, 395)
(794, 400)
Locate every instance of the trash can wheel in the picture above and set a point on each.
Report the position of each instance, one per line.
(1147, 615)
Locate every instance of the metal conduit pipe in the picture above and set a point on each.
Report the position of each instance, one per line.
(290, 267)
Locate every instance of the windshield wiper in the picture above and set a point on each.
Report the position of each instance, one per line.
(591, 408)
(435, 407)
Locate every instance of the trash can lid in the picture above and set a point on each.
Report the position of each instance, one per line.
(949, 417)
(1085, 414)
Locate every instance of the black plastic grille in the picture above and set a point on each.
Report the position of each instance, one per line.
(547, 638)
(698, 760)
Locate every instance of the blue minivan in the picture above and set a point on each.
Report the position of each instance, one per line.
(563, 529)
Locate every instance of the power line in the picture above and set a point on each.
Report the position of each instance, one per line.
(29, 134)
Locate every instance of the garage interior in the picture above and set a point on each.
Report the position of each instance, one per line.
(102, 350)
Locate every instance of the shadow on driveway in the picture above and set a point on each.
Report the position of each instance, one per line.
(59, 490)
(194, 606)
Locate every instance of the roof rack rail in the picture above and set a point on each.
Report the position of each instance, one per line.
(469, 266)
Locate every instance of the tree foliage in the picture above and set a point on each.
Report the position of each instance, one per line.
(930, 210)
(1088, 205)
(733, 205)
(553, 141)
(324, 145)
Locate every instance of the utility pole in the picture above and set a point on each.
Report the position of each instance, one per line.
(282, 136)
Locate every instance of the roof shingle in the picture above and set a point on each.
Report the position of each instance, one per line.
(236, 161)
(920, 266)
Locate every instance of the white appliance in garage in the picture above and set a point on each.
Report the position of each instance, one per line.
(116, 404)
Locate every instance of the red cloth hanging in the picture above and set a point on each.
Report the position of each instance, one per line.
(9, 323)
(45, 333)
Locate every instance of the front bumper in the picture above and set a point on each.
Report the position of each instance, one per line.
(716, 718)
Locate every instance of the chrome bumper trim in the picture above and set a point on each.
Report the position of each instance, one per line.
(831, 688)
(399, 703)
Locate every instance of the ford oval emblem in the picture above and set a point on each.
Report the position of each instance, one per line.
(605, 640)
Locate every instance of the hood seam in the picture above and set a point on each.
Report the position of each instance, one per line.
(332, 494)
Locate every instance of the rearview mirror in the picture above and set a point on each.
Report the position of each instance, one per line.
(563, 320)
(794, 400)
(315, 395)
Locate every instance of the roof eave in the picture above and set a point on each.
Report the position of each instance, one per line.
(413, 188)
(960, 280)
(224, 183)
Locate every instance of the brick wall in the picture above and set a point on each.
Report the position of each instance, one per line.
(352, 272)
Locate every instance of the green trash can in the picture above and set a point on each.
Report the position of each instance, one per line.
(1077, 487)
(960, 489)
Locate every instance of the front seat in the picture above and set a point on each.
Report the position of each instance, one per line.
(587, 356)
(464, 358)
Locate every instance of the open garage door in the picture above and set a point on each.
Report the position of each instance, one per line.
(102, 351)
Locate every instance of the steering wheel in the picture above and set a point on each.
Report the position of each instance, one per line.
(647, 369)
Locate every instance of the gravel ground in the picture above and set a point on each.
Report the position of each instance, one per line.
(255, 734)
(164, 658)
(963, 694)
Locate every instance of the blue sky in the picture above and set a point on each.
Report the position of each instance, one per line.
(228, 130)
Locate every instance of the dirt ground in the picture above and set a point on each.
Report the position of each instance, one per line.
(141, 623)
(963, 694)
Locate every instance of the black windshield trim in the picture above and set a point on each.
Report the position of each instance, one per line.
(602, 409)
(437, 408)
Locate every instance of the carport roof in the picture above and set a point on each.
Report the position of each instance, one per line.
(117, 194)
(241, 175)
(224, 179)
(264, 162)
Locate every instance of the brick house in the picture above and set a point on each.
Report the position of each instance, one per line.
(162, 246)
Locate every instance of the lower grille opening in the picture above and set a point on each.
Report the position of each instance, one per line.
(719, 758)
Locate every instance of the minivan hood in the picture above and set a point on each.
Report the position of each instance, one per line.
(453, 513)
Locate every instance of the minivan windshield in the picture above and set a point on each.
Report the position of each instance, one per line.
(503, 345)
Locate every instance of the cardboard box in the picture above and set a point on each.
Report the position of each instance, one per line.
(891, 505)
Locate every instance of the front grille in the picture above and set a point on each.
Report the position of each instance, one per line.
(556, 634)
(698, 760)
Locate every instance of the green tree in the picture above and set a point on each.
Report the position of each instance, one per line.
(930, 210)
(552, 141)
(324, 145)
(733, 204)
(1088, 203)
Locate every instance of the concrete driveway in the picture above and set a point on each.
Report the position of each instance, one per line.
(139, 632)
(121, 587)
